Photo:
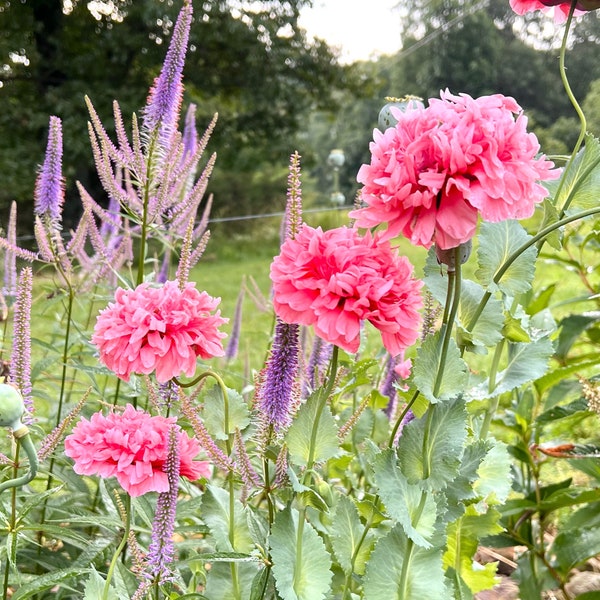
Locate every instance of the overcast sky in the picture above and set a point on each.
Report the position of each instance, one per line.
(362, 28)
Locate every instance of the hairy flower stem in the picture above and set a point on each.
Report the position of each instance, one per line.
(326, 392)
(12, 529)
(120, 547)
(576, 106)
(453, 299)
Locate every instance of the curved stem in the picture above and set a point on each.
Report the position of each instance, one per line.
(23, 439)
(401, 417)
(531, 242)
(322, 402)
(453, 296)
(576, 106)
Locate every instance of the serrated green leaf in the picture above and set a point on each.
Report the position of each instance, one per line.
(301, 564)
(446, 430)
(216, 514)
(526, 363)
(46, 581)
(312, 436)
(561, 412)
(346, 535)
(461, 487)
(213, 413)
(461, 589)
(579, 185)
(574, 546)
(423, 580)
(412, 506)
(426, 366)
(219, 580)
(463, 539)
(571, 328)
(497, 242)
(94, 587)
(495, 480)
(488, 327)
(554, 239)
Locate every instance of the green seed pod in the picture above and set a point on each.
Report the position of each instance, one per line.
(386, 118)
(11, 406)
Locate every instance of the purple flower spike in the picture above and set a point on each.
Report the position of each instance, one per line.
(277, 392)
(164, 101)
(161, 550)
(10, 258)
(190, 135)
(234, 339)
(49, 188)
(20, 360)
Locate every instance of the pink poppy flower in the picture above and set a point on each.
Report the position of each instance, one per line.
(131, 446)
(158, 329)
(439, 167)
(336, 279)
(561, 8)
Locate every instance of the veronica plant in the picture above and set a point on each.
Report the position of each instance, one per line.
(405, 420)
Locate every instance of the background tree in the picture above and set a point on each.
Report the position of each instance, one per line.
(255, 67)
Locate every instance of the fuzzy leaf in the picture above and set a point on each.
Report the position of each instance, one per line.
(497, 242)
(44, 582)
(463, 539)
(308, 578)
(526, 363)
(495, 480)
(581, 181)
(219, 584)
(424, 579)
(409, 504)
(446, 433)
(94, 587)
(346, 533)
(488, 327)
(213, 413)
(215, 513)
(454, 379)
(299, 435)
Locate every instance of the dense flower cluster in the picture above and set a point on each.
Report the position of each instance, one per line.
(158, 329)
(439, 167)
(561, 7)
(133, 447)
(336, 279)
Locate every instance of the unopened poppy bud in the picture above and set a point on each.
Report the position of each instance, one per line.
(448, 257)
(12, 406)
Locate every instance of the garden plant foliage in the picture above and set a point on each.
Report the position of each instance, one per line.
(403, 418)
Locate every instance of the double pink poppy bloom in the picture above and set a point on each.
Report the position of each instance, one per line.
(334, 280)
(561, 7)
(440, 167)
(158, 329)
(132, 446)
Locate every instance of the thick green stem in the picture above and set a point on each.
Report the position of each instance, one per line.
(531, 242)
(576, 106)
(23, 439)
(326, 392)
(12, 523)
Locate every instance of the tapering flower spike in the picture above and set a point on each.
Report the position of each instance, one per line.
(164, 101)
(277, 391)
(10, 258)
(234, 339)
(20, 362)
(49, 191)
(162, 550)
